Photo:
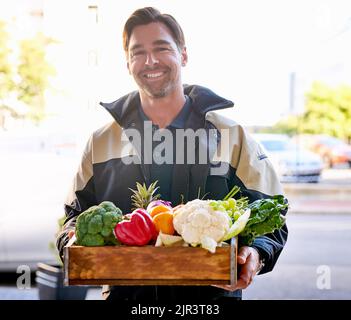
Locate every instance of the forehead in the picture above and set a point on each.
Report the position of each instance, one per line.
(148, 34)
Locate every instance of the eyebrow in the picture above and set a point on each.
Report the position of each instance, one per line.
(155, 43)
(161, 42)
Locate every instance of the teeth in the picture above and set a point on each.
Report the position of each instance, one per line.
(154, 75)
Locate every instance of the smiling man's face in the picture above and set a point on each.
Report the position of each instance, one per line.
(154, 60)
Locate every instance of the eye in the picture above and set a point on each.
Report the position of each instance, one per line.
(137, 53)
(161, 49)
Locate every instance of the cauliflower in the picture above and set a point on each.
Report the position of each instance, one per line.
(95, 225)
(200, 224)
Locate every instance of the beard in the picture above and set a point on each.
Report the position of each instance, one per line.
(159, 88)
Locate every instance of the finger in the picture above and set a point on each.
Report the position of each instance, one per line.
(226, 287)
(244, 279)
(247, 272)
(243, 283)
(244, 252)
(70, 234)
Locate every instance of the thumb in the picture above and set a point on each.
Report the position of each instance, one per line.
(244, 252)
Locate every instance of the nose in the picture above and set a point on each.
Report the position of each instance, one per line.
(151, 59)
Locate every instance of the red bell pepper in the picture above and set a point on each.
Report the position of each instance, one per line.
(149, 221)
(134, 231)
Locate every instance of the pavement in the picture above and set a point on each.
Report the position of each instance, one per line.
(314, 264)
(320, 206)
(12, 293)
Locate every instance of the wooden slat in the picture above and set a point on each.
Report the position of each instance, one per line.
(159, 282)
(149, 265)
(233, 262)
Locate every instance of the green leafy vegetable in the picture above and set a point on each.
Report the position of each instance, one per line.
(265, 218)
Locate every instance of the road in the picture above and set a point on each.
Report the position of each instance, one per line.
(318, 247)
(315, 263)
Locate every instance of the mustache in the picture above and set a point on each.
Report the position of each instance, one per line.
(148, 69)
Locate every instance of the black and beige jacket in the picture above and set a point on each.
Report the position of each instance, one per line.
(112, 163)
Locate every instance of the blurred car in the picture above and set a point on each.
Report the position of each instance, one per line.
(292, 162)
(333, 150)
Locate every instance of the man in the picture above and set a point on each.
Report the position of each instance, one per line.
(155, 50)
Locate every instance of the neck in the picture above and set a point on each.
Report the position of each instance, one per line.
(162, 111)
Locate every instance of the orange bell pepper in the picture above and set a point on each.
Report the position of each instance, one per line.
(164, 222)
(158, 209)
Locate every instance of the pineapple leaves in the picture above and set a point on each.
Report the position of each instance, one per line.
(143, 195)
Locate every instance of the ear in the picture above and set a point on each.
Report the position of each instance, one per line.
(184, 55)
(128, 67)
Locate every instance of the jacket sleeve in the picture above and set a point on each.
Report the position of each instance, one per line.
(80, 197)
(257, 178)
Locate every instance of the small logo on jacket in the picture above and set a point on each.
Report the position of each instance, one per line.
(261, 156)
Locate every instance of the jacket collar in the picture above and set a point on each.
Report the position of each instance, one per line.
(203, 101)
(187, 179)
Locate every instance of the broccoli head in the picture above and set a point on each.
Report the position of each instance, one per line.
(95, 225)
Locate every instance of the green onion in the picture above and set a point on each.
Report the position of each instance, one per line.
(232, 193)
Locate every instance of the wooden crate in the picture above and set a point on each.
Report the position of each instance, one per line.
(149, 265)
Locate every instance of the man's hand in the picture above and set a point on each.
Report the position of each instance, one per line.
(249, 258)
(71, 233)
(72, 238)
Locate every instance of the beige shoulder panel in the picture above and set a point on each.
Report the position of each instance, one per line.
(111, 142)
(244, 154)
(106, 143)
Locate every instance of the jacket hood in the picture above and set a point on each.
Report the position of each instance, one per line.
(203, 101)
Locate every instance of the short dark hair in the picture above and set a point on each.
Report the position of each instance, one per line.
(148, 15)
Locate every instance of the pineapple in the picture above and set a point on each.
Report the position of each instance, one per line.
(143, 195)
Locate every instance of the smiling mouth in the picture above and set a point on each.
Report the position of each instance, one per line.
(153, 75)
